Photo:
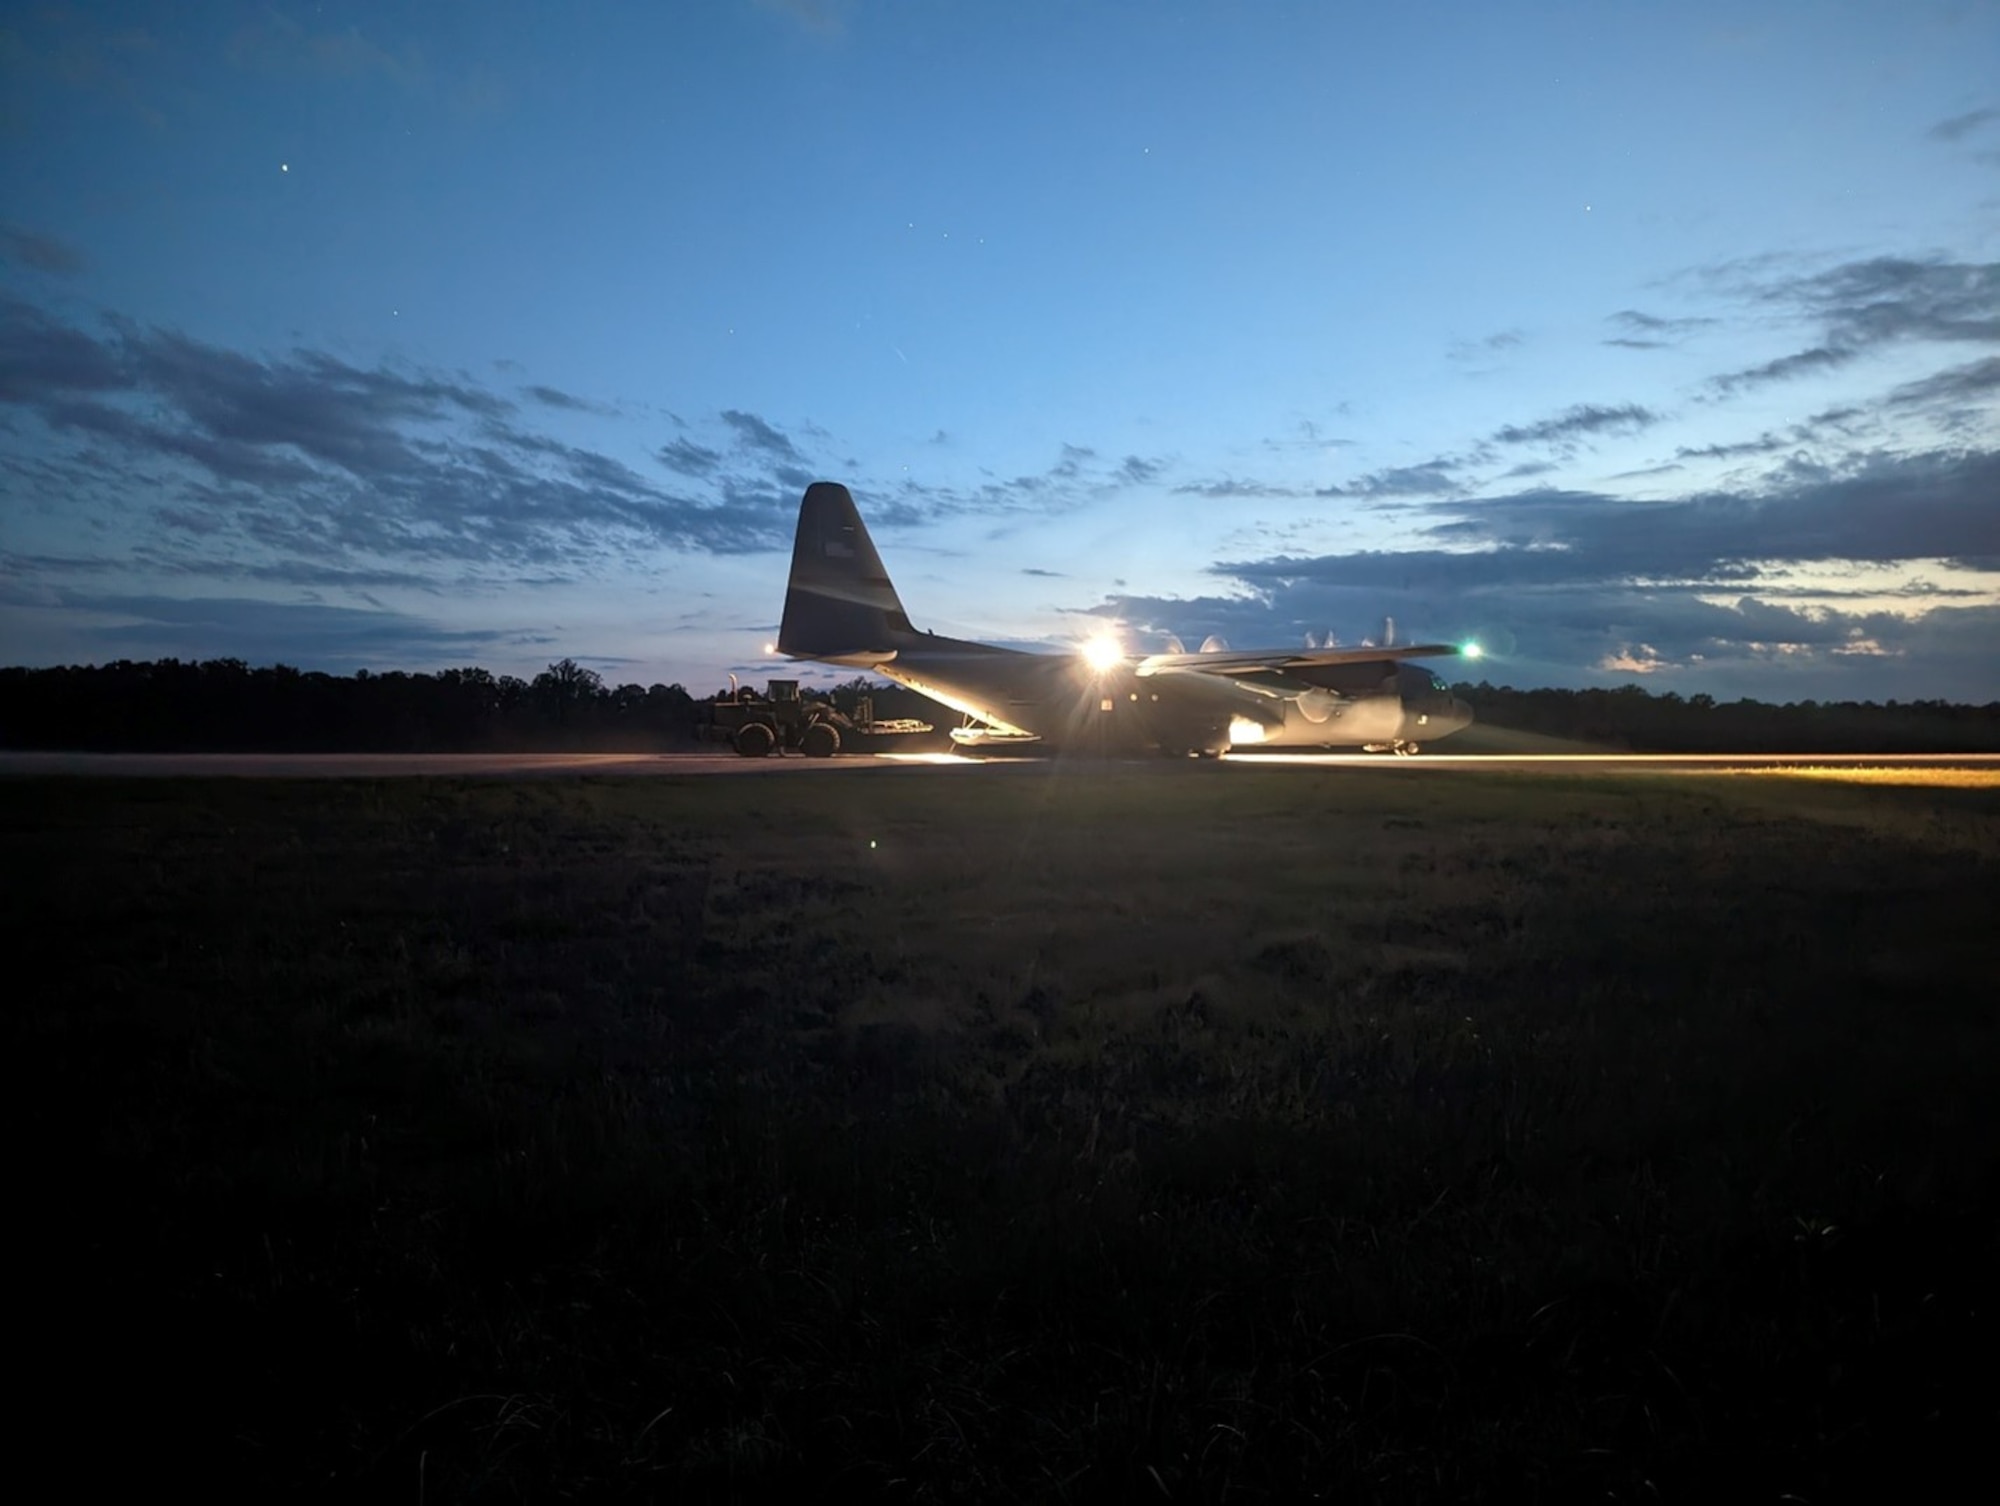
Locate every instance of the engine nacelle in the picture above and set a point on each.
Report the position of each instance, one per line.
(1317, 704)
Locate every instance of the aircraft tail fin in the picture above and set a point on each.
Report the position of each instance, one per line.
(839, 604)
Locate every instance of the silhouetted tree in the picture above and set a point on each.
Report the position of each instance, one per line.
(224, 704)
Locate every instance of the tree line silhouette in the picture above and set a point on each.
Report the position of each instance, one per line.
(1630, 718)
(225, 705)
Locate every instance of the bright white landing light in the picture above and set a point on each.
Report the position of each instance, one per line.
(1243, 730)
(1102, 653)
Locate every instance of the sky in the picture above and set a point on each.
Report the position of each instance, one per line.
(1640, 342)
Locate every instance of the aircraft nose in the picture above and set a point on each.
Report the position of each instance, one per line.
(1461, 714)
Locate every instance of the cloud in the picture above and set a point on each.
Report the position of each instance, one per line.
(308, 456)
(1489, 345)
(1784, 368)
(1896, 298)
(43, 253)
(301, 633)
(1642, 659)
(1763, 445)
(40, 357)
(1976, 383)
(689, 458)
(1074, 458)
(1685, 639)
(1721, 589)
(1960, 126)
(555, 397)
(1861, 305)
(1577, 422)
(1649, 332)
(1229, 486)
(1431, 478)
(1568, 578)
(1076, 477)
(754, 433)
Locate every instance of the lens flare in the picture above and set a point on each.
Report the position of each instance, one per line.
(1102, 653)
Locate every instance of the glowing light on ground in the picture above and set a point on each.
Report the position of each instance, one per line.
(1950, 779)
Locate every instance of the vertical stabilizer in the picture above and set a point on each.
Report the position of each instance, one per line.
(839, 603)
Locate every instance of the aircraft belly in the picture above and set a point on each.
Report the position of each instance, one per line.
(1056, 699)
(1368, 719)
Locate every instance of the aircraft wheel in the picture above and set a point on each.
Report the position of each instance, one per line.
(1411, 749)
(820, 741)
(754, 740)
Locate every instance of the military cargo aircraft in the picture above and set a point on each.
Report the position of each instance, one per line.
(840, 608)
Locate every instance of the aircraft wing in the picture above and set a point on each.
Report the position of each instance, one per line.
(1259, 661)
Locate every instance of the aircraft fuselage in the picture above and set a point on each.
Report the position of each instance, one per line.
(1065, 703)
(840, 608)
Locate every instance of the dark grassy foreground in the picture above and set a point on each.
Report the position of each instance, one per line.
(1180, 1132)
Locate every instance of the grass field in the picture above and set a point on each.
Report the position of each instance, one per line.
(1176, 1132)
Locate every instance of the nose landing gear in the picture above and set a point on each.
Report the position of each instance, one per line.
(1401, 747)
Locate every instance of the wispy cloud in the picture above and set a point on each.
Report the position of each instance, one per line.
(1076, 477)
(1431, 478)
(1861, 305)
(1230, 486)
(1958, 127)
(1977, 382)
(555, 397)
(1578, 422)
(689, 458)
(1651, 332)
(42, 253)
(754, 433)
(1487, 346)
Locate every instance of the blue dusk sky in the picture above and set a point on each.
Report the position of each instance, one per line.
(1639, 341)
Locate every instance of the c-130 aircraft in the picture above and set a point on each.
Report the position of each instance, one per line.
(840, 608)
